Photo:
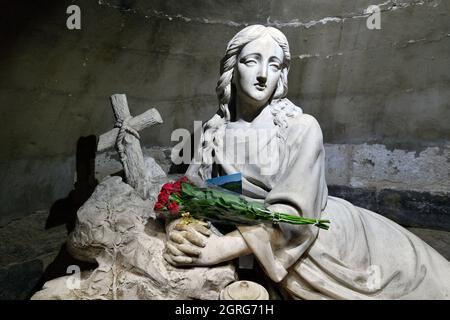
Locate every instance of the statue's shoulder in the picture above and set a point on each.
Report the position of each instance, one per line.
(286, 107)
(298, 123)
(306, 120)
(294, 114)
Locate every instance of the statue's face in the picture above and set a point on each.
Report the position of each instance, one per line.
(258, 70)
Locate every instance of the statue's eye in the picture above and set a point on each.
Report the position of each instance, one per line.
(275, 66)
(250, 62)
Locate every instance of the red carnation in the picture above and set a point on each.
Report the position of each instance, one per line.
(158, 206)
(177, 187)
(168, 187)
(173, 207)
(163, 197)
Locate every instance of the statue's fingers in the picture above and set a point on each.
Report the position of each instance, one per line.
(180, 226)
(173, 250)
(189, 249)
(202, 229)
(191, 234)
(195, 238)
(169, 259)
(177, 237)
(187, 227)
(182, 259)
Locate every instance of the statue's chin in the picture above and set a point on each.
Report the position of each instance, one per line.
(254, 100)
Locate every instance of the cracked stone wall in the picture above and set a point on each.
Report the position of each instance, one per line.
(369, 89)
(382, 97)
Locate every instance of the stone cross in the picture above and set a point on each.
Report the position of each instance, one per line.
(125, 137)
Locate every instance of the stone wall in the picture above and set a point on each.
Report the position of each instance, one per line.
(382, 97)
(383, 94)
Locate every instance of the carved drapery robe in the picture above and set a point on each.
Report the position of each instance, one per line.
(362, 256)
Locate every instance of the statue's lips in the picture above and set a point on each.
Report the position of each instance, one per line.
(260, 87)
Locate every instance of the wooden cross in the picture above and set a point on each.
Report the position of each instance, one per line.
(125, 137)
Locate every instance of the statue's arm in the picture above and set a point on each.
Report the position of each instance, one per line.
(222, 248)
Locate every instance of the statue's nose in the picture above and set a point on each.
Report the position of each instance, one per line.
(262, 73)
(261, 79)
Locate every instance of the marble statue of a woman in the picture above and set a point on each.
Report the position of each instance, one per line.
(362, 256)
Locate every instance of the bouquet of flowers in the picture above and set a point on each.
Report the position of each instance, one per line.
(184, 199)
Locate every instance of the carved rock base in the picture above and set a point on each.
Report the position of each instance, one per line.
(117, 229)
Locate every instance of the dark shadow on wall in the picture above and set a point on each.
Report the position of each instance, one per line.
(64, 211)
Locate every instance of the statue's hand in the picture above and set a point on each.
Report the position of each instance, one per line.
(185, 241)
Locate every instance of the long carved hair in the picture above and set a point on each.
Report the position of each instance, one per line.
(226, 93)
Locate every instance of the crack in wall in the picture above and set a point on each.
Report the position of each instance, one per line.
(177, 17)
(397, 45)
(387, 6)
(421, 41)
(318, 55)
